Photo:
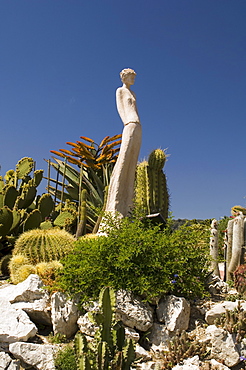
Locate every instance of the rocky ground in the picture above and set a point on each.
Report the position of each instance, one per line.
(29, 317)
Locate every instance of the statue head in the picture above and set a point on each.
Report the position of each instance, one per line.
(126, 72)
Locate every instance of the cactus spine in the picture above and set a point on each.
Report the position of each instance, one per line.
(151, 193)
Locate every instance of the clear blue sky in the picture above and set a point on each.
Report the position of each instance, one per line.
(59, 69)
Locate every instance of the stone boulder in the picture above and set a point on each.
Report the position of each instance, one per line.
(15, 325)
(220, 308)
(174, 312)
(215, 365)
(189, 364)
(40, 356)
(223, 346)
(159, 336)
(6, 362)
(132, 311)
(64, 314)
(29, 296)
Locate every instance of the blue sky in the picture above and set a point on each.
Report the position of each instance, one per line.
(59, 69)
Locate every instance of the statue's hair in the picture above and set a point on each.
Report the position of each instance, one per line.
(125, 72)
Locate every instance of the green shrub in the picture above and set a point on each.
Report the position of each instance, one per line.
(65, 359)
(139, 258)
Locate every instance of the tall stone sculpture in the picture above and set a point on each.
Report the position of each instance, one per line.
(121, 187)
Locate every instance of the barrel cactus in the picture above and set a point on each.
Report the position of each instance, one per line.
(151, 193)
(44, 245)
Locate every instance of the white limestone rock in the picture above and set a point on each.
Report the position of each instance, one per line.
(28, 290)
(40, 356)
(220, 308)
(132, 312)
(215, 365)
(174, 312)
(39, 311)
(142, 354)
(223, 347)
(15, 325)
(132, 334)
(29, 296)
(159, 336)
(189, 364)
(6, 362)
(150, 365)
(86, 326)
(64, 314)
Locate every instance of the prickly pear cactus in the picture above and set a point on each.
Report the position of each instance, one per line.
(18, 202)
(24, 167)
(151, 193)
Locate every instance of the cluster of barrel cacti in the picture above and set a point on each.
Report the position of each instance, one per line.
(109, 349)
(151, 192)
(39, 251)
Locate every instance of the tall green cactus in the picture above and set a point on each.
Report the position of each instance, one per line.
(44, 245)
(82, 215)
(109, 350)
(151, 193)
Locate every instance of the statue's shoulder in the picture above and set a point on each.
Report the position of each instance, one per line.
(122, 91)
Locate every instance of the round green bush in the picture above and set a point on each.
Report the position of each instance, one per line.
(141, 259)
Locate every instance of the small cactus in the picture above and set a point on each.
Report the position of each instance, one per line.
(22, 273)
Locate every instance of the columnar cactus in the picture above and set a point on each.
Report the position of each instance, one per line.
(237, 242)
(214, 247)
(151, 193)
(82, 217)
(109, 349)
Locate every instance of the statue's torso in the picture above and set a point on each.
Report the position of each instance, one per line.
(126, 105)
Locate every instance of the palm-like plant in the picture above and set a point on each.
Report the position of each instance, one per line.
(95, 164)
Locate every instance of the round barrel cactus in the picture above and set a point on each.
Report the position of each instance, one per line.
(44, 245)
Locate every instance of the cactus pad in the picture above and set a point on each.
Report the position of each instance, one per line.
(24, 167)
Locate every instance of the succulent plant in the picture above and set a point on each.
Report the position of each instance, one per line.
(109, 349)
(151, 193)
(43, 245)
(240, 279)
(182, 346)
(95, 164)
(234, 322)
(19, 209)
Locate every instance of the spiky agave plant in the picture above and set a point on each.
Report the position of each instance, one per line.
(95, 165)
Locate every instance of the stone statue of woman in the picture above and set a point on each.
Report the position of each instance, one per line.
(121, 187)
